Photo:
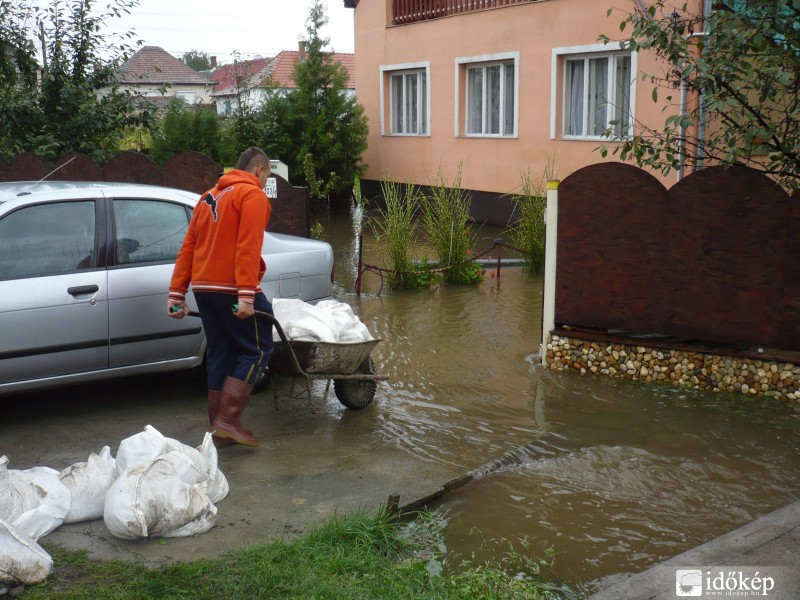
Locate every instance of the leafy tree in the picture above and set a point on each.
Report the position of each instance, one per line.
(318, 118)
(70, 102)
(195, 128)
(199, 61)
(743, 62)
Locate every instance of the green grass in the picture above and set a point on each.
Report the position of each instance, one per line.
(358, 557)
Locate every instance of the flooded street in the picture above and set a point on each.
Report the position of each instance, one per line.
(613, 476)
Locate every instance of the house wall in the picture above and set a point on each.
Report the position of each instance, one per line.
(202, 93)
(531, 31)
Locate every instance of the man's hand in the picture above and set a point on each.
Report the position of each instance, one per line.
(244, 310)
(177, 309)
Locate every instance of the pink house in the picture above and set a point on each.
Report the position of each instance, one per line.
(500, 87)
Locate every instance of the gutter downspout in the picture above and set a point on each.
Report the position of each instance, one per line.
(701, 113)
(701, 124)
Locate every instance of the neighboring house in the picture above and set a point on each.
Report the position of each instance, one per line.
(157, 75)
(499, 87)
(250, 81)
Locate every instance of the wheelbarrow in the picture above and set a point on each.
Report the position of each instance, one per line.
(348, 365)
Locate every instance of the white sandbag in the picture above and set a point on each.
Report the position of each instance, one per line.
(327, 321)
(218, 486)
(22, 560)
(151, 499)
(140, 448)
(88, 483)
(17, 496)
(303, 321)
(33, 500)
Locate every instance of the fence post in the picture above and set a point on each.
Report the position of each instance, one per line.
(499, 243)
(358, 274)
(550, 248)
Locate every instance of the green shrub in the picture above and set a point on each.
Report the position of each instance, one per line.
(197, 128)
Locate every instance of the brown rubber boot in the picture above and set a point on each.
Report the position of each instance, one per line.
(213, 409)
(227, 424)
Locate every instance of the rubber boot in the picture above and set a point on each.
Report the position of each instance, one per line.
(213, 408)
(227, 424)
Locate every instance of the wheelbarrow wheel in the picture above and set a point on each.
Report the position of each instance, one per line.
(357, 394)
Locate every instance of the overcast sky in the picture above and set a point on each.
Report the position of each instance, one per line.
(220, 27)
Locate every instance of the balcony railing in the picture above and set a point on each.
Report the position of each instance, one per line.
(410, 11)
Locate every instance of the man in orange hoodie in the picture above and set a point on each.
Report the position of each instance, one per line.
(221, 258)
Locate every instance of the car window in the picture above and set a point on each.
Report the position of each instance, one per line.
(46, 239)
(148, 230)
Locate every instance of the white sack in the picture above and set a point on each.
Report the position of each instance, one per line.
(153, 499)
(140, 448)
(33, 500)
(88, 483)
(22, 560)
(327, 321)
(218, 486)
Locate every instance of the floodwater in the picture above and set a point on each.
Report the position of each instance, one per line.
(612, 476)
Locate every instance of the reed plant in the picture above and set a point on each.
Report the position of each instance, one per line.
(445, 216)
(528, 234)
(395, 233)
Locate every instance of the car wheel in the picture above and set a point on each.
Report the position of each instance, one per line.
(357, 394)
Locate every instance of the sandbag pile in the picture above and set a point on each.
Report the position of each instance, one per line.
(156, 486)
(327, 321)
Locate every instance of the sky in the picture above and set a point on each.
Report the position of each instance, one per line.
(220, 27)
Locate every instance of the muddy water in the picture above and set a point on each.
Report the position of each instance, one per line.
(613, 476)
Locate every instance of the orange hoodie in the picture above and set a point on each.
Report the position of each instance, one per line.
(221, 251)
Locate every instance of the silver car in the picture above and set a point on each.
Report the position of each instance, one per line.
(84, 272)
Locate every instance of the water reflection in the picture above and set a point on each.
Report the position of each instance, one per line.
(614, 476)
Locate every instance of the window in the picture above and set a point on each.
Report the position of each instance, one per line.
(187, 96)
(148, 230)
(47, 239)
(597, 95)
(490, 99)
(408, 99)
(489, 95)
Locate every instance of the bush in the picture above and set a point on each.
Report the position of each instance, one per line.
(195, 128)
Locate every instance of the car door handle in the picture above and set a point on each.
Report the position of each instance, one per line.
(82, 289)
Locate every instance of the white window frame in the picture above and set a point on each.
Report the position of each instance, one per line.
(462, 66)
(559, 58)
(188, 96)
(386, 73)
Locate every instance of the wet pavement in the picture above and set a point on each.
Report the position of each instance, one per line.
(317, 460)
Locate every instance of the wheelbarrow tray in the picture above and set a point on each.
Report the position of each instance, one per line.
(320, 357)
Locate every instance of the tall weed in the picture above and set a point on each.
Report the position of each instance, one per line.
(395, 233)
(445, 216)
(529, 232)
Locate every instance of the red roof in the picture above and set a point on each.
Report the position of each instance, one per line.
(224, 78)
(152, 64)
(280, 69)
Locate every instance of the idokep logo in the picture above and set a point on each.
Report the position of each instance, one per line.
(689, 582)
(738, 581)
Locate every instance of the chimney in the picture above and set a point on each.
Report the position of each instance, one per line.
(301, 47)
(213, 62)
